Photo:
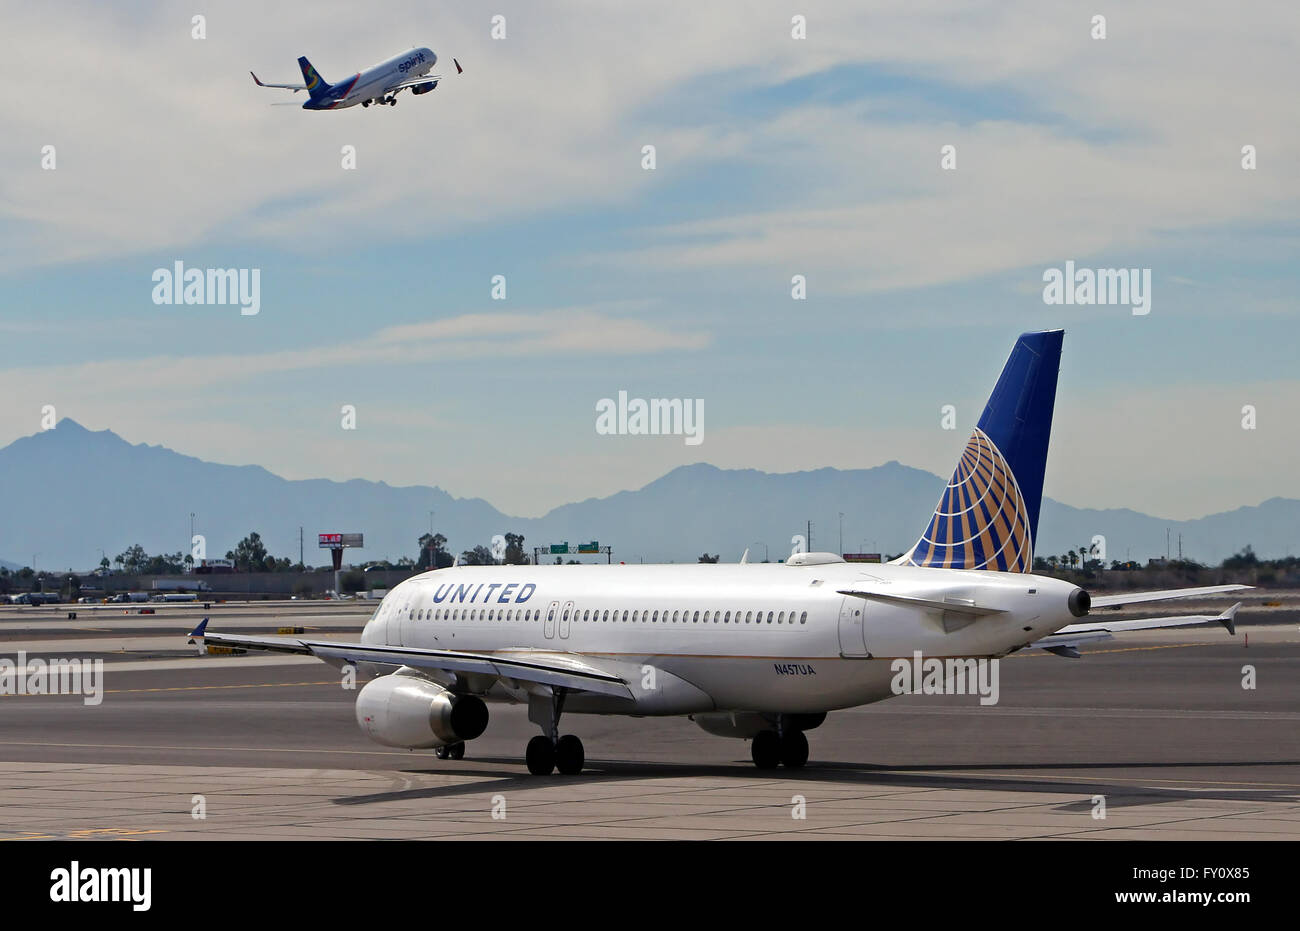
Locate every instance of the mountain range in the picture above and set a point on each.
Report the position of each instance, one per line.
(72, 493)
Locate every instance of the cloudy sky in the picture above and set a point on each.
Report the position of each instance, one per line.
(775, 157)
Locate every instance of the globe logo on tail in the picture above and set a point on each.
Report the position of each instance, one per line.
(981, 521)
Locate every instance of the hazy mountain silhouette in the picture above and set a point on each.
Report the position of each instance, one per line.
(70, 493)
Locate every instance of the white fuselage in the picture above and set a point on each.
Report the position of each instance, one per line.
(737, 637)
(374, 81)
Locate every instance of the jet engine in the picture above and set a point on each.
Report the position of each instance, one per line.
(402, 710)
(424, 88)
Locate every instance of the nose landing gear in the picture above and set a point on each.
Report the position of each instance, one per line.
(454, 751)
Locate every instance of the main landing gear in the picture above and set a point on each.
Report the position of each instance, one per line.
(454, 751)
(788, 748)
(550, 751)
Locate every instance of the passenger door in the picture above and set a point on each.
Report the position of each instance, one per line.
(853, 626)
(564, 620)
(548, 629)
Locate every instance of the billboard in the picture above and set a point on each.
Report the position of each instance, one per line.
(336, 541)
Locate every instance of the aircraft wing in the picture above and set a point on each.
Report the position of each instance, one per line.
(291, 87)
(556, 670)
(413, 82)
(1065, 642)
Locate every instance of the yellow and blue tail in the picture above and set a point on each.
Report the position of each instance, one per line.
(988, 515)
(317, 86)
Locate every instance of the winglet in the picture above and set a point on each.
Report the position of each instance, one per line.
(1229, 619)
(197, 633)
(256, 81)
(744, 557)
(459, 69)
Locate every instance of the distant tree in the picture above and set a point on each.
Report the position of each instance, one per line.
(133, 558)
(478, 556)
(1243, 559)
(514, 555)
(433, 553)
(707, 558)
(250, 554)
(104, 564)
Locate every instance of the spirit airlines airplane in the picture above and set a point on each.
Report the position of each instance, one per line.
(377, 84)
(754, 651)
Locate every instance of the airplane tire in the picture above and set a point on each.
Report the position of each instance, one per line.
(540, 756)
(456, 751)
(794, 750)
(765, 748)
(569, 755)
(442, 753)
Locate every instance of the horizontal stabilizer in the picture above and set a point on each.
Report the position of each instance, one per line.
(1129, 598)
(1075, 634)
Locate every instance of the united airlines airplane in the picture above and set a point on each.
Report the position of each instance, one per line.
(755, 651)
(377, 84)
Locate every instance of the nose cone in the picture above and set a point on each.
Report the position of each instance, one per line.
(1079, 602)
(433, 58)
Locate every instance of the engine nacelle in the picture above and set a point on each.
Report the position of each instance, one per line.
(424, 88)
(402, 710)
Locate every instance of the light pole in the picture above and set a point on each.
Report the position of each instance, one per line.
(841, 533)
(764, 545)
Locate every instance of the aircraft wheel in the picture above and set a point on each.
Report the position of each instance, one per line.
(766, 749)
(442, 753)
(569, 755)
(540, 756)
(457, 751)
(794, 749)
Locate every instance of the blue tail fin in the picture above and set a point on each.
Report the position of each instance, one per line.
(317, 86)
(988, 515)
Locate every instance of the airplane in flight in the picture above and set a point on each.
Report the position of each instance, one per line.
(378, 84)
(755, 651)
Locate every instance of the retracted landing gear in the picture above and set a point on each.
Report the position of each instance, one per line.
(550, 751)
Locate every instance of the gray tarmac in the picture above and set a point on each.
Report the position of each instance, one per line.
(1155, 731)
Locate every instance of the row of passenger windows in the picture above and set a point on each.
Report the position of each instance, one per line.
(633, 617)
